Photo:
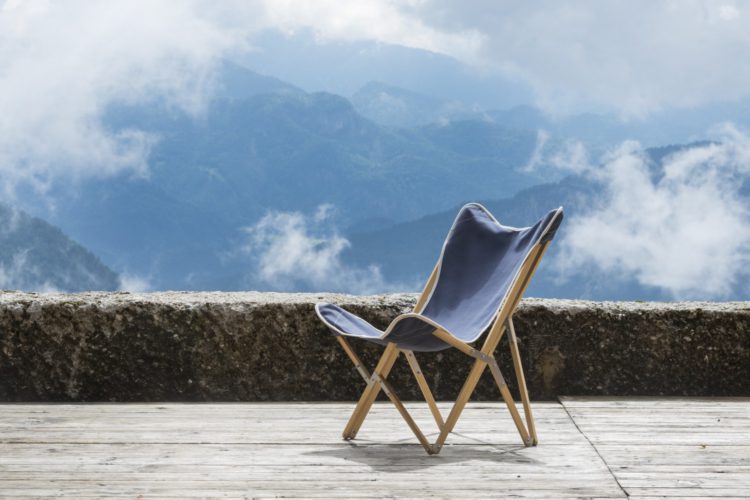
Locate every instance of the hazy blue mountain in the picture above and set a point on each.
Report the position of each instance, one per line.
(395, 106)
(295, 151)
(602, 131)
(36, 256)
(406, 252)
(237, 82)
(524, 117)
(140, 230)
(398, 107)
(265, 145)
(345, 67)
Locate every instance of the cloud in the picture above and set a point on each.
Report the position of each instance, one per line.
(635, 57)
(292, 251)
(62, 65)
(387, 21)
(18, 274)
(134, 283)
(537, 156)
(632, 57)
(682, 226)
(571, 157)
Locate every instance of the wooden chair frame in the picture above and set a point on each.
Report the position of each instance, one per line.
(482, 359)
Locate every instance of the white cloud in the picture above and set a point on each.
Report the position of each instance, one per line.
(572, 157)
(11, 273)
(62, 64)
(134, 283)
(682, 226)
(542, 136)
(18, 274)
(389, 21)
(292, 251)
(635, 56)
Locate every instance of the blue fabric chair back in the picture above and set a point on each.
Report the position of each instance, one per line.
(480, 261)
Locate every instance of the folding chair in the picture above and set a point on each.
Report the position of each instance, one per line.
(477, 283)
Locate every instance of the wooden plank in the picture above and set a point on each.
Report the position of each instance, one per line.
(484, 423)
(633, 455)
(657, 448)
(670, 448)
(226, 451)
(692, 481)
(314, 491)
(372, 455)
(240, 411)
(524, 468)
(653, 402)
(689, 492)
(663, 497)
(262, 435)
(61, 470)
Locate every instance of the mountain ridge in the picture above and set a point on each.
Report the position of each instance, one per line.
(37, 256)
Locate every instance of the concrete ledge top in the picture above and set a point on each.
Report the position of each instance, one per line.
(253, 346)
(251, 299)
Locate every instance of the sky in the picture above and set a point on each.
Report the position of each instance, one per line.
(635, 57)
(63, 64)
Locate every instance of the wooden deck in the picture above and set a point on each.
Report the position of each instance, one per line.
(589, 448)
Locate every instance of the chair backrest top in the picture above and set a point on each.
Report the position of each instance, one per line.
(480, 261)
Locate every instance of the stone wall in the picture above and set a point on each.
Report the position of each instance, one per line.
(269, 346)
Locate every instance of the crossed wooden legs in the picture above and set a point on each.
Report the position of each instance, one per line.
(378, 381)
(484, 358)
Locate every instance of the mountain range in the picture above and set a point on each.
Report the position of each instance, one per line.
(265, 145)
(395, 163)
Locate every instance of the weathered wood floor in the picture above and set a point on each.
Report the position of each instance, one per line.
(589, 448)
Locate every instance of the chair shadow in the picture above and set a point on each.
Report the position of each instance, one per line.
(405, 455)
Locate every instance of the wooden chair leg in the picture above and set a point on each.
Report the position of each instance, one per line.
(388, 389)
(377, 381)
(463, 397)
(508, 398)
(424, 387)
(371, 392)
(521, 381)
(355, 359)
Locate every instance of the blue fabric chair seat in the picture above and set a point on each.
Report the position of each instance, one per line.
(409, 331)
(480, 262)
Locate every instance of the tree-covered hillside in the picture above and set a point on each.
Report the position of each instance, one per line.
(263, 145)
(36, 256)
